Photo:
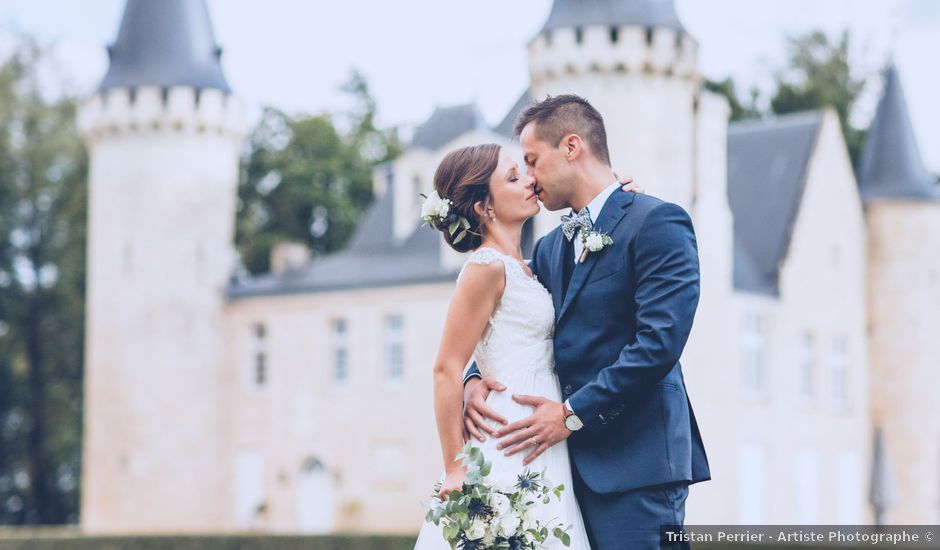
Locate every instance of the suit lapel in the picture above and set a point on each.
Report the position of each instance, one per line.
(610, 215)
(558, 274)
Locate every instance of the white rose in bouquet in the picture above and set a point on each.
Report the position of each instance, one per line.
(490, 537)
(508, 525)
(530, 515)
(476, 530)
(499, 511)
(499, 503)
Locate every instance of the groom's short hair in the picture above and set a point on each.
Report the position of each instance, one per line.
(562, 115)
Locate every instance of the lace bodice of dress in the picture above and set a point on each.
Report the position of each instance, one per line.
(518, 338)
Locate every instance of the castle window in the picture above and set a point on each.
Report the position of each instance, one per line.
(258, 357)
(752, 485)
(614, 35)
(127, 258)
(249, 486)
(389, 461)
(806, 367)
(849, 488)
(838, 365)
(394, 344)
(752, 351)
(578, 35)
(807, 484)
(340, 352)
(201, 262)
(836, 255)
(649, 36)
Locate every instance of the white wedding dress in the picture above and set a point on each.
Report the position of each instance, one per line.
(516, 349)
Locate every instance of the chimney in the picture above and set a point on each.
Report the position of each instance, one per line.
(289, 255)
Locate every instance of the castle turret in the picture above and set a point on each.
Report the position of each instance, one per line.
(634, 61)
(163, 134)
(903, 219)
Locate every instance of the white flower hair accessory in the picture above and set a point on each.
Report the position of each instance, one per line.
(437, 213)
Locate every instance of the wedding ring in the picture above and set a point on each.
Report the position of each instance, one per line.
(536, 441)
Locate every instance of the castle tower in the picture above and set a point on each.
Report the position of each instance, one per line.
(634, 61)
(903, 219)
(163, 135)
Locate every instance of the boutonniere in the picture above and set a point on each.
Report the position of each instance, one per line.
(594, 242)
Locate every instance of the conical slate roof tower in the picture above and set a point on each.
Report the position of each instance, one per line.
(165, 43)
(891, 165)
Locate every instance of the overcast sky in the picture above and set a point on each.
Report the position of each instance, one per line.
(418, 54)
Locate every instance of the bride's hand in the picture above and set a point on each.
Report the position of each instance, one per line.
(453, 481)
(476, 410)
(627, 184)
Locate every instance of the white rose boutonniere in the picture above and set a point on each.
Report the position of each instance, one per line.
(594, 242)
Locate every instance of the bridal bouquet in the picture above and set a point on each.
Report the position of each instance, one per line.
(484, 516)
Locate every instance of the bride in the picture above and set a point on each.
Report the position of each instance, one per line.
(504, 318)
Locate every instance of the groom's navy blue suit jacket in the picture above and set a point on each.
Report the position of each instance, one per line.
(619, 332)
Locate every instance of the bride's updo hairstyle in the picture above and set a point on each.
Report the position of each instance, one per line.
(463, 177)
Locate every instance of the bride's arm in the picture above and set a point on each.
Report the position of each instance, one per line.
(474, 301)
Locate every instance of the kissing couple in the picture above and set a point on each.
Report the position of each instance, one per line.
(576, 353)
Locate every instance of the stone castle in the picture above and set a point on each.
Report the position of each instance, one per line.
(300, 400)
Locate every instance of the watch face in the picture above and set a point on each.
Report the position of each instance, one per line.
(573, 423)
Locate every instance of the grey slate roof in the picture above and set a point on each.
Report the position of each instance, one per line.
(446, 124)
(646, 13)
(372, 259)
(891, 165)
(767, 169)
(505, 128)
(165, 43)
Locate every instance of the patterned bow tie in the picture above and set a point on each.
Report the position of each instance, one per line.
(571, 224)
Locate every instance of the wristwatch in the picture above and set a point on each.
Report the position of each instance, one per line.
(572, 422)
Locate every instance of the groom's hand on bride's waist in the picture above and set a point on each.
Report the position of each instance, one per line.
(476, 411)
(541, 430)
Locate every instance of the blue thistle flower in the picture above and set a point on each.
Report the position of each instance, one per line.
(478, 508)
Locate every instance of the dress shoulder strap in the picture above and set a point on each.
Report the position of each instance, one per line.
(482, 256)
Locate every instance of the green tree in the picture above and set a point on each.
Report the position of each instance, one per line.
(42, 256)
(739, 111)
(374, 144)
(304, 179)
(818, 75)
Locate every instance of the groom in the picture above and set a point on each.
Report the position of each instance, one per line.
(623, 312)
